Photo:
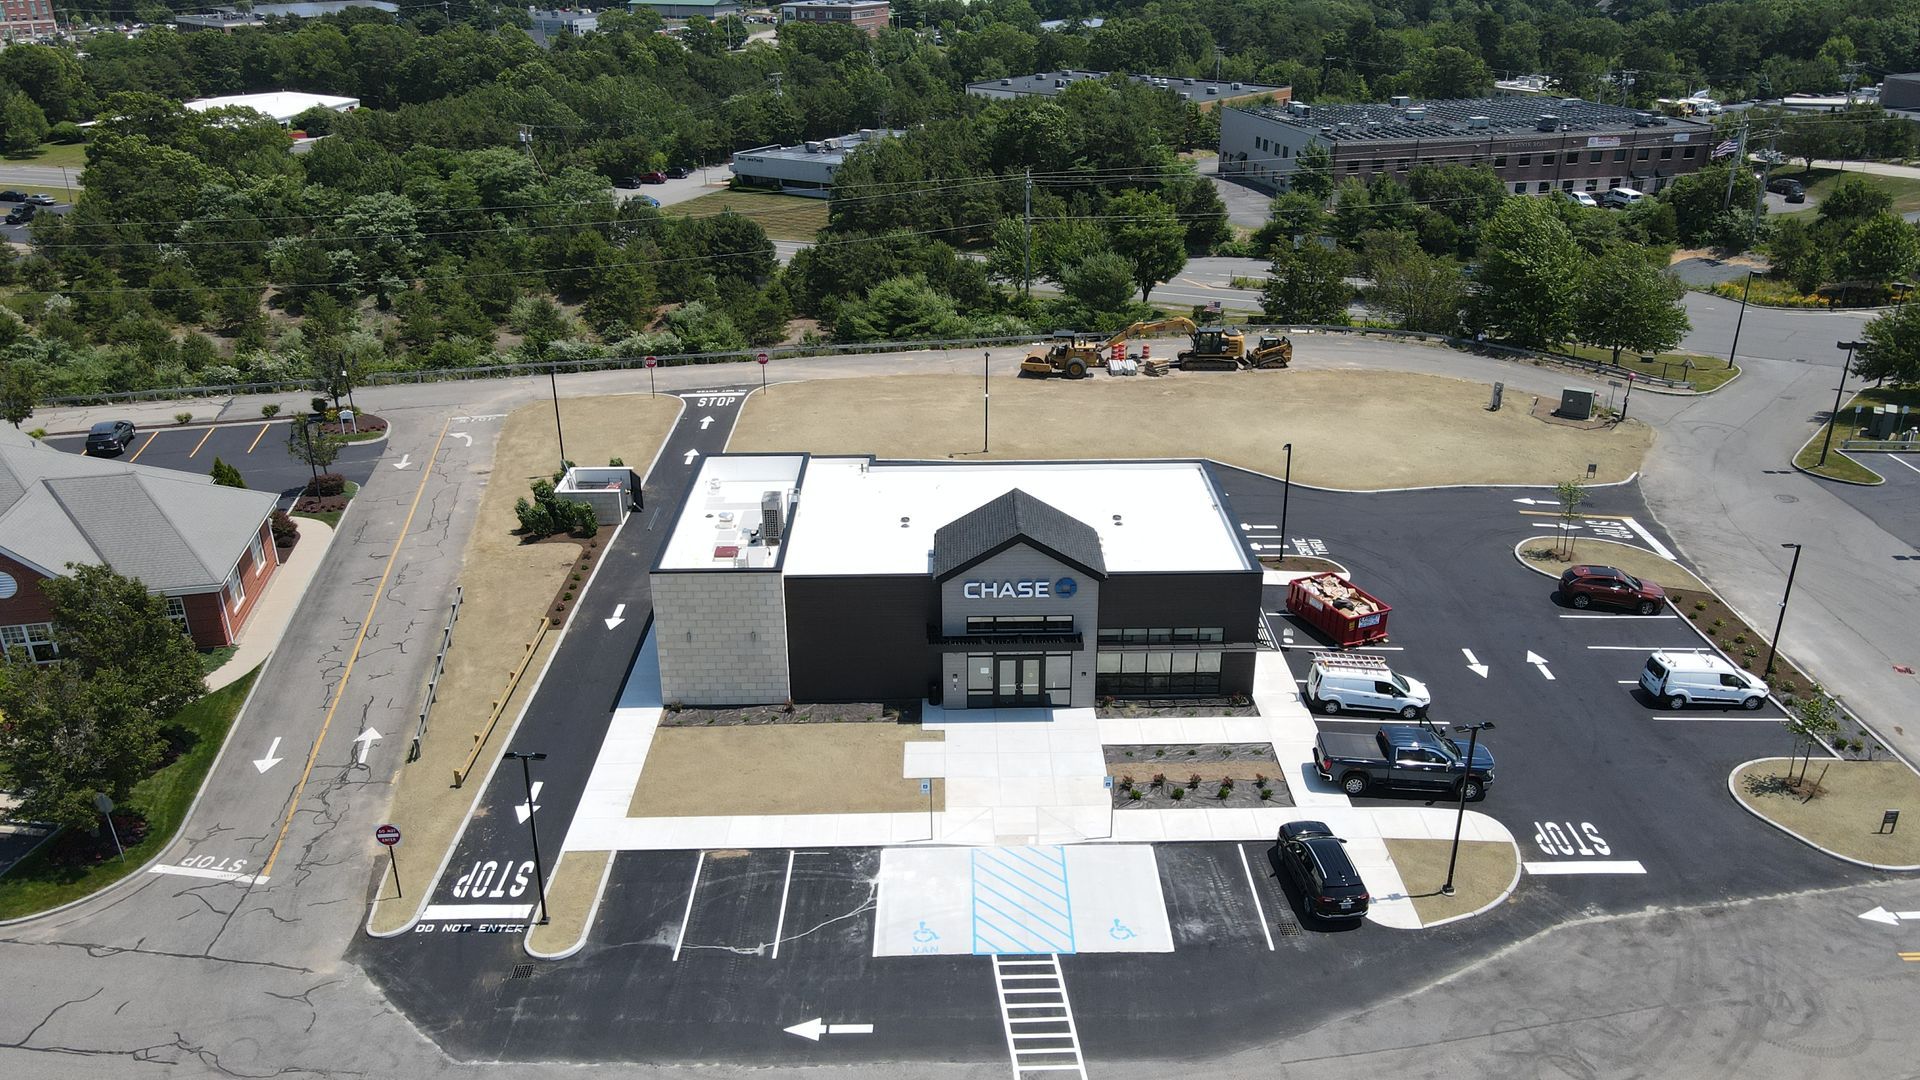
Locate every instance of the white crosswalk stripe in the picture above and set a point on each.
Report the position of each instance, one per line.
(1041, 1037)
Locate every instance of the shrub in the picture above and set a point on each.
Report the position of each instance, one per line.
(1739, 639)
(318, 405)
(1193, 781)
(326, 484)
(37, 433)
(331, 416)
(1265, 794)
(285, 532)
(182, 417)
(1178, 794)
(535, 521)
(1699, 605)
(270, 410)
(615, 463)
(1718, 623)
(1159, 780)
(1126, 781)
(1134, 794)
(66, 131)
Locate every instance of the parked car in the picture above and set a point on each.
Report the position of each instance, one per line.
(678, 172)
(1585, 586)
(13, 196)
(1679, 678)
(1342, 681)
(21, 214)
(654, 177)
(1794, 190)
(40, 199)
(648, 200)
(1621, 198)
(1316, 860)
(1410, 757)
(1580, 198)
(109, 436)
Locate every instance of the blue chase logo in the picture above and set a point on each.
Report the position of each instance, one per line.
(1065, 587)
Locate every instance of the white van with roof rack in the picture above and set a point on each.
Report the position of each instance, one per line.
(1338, 681)
(1678, 678)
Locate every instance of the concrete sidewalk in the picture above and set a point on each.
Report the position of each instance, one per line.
(274, 611)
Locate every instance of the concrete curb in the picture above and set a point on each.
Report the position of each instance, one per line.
(147, 867)
(1795, 462)
(1749, 808)
(586, 928)
(1518, 869)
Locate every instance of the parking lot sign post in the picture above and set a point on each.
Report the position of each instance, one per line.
(1889, 821)
(103, 802)
(1286, 496)
(762, 358)
(389, 837)
(651, 391)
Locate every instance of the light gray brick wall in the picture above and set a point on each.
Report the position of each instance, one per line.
(722, 637)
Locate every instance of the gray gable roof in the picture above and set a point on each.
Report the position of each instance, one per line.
(173, 530)
(1013, 518)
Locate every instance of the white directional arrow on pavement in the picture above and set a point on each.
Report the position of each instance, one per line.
(523, 811)
(1540, 662)
(706, 422)
(366, 739)
(268, 762)
(461, 435)
(618, 611)
(402, 463)
(1891, 918)
(1474, 665)
(812, 1029)
(691, 454)
(1535, 502)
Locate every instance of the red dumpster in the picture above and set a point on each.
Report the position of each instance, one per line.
(1347, 614)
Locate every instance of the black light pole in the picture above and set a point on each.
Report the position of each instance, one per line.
(1741, 318)
(1837, 391)
(1774, 645)
(306, 433)
(1466, 770)
(986, 401)
(559, 432)
(1286, 497)
(539, 872)
(1629, 397)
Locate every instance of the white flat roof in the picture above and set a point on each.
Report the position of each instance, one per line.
(858, 517)
(282, 105)
(722, 512)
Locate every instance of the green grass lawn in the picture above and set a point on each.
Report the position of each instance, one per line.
(1905, 190)
(54, 155)
(784, 217)
(1705, 373)
(212, 659)
(34, 884)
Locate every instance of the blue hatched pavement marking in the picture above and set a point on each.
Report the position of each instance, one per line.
(1021, 897)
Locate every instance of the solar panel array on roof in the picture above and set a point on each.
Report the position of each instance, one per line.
(1473, 117)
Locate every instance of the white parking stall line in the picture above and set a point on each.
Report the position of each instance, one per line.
(1667, 616)
(1629, 866)
(1628, 682)
(1903, 461)
(1718, 719)
(1254, 888)
(688, 915)
(1659, 548)
(203, 872)
(780, 927)
(1645, 648)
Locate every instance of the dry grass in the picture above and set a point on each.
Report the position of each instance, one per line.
(1637, 561)
(570, 892)
(1485, 870)
(784, 217)
(788, 769)
(1352, 429)
(1843, 818)
(508, 585)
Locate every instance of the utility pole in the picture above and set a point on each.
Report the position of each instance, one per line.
(1734, 166)
(1026, 269)
(1853, 76)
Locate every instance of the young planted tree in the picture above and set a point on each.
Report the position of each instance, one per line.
(19, 391)
(312, 448)
(1571, 494)
(1810, 720)
(226, 475)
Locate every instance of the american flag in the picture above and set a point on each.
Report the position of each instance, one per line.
(1729, 147)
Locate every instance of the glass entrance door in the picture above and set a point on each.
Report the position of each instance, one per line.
(1018, 682)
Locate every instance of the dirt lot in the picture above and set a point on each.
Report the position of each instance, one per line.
(1484, 872)
(1843, 818)
(789, 769)
(507, 586)
(1350, 429)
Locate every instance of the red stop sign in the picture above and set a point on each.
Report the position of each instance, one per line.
(652, 361)
(387, 834)
(762, 358)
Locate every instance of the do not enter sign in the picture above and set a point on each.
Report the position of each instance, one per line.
(387, 834)
(651, 361)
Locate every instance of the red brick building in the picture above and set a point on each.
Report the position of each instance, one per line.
(207, 549)
(25, 20)
(869, 15)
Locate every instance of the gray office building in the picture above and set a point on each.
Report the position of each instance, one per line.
(806, 169)
(1207, 93)
(1535, 146)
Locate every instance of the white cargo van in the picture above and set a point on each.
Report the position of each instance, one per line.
(1677, 679)
(1339, 681)
(1621, 198)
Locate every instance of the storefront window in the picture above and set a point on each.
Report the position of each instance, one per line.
(1154, 673)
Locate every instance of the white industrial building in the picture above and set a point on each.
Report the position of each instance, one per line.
(805, 169)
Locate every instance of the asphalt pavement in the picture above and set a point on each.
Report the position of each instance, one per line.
(257, 448)
(1894, 505)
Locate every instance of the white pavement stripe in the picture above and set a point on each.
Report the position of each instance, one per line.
(1062, 1044)
(1561, 868)
(688, 915)
(1903, 461)
(780, 926)
(848, 1029)
(1254, 887)
(1644, 648)
(1718, 719)
(1659, 548)
(216, 875)
(1667, 616)
(503, 912)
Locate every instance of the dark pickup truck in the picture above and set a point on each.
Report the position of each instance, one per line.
(1414, 757)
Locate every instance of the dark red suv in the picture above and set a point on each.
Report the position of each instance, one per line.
(1586, 586)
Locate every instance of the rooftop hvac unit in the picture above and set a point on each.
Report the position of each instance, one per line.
(1567, 103)
(813, 148)
(1187, 82)
(831, 144)
(1299, 108)
(1186, 95)
(1401, 101)
(1058, 83)
(772, 528)
(1642, 119)
(1478, 122)
(1546, 122)
(1417, 112)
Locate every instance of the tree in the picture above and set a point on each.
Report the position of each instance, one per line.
(899, 309)
(1893, 347)
(1312, 172)
(1308, 284)
(315, 450)
(1529, 274)
(1799, 254)
(1881, 248)
(19, 391)
(1420, 291)
(226, 475)
(22, 125)
(68, 736)
(1099, 284)
(1626, 302)
(111, 628)
(1810, 720)
(1853, 200)
(1699, 198)
(1146, 233)
(1451, 72)
(1571, 494)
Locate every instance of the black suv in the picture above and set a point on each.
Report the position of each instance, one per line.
(1330, 887)
(21, 214)
(109, 436)
(1791, 188)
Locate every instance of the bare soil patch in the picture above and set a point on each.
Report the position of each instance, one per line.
(1311, 564)
(781, 769)
(1484, 871)
(1844, 812)
(1351, 429)
(570, 892)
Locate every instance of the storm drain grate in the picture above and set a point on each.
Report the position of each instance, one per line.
(1288, 927)
(522, 971)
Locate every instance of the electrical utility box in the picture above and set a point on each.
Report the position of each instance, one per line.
(1576, 403)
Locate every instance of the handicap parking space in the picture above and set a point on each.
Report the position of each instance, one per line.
(1020, 901)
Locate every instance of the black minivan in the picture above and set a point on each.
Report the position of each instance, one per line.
(1330, 887)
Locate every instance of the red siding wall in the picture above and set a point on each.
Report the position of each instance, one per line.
(253, 580)
(30, 604)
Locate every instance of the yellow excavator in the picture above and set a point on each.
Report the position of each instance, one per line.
(1215, 348)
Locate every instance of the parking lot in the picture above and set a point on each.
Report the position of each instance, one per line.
(1894, 505)
(258, 449)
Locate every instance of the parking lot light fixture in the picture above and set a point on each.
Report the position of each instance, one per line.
(1286, 496)
(539, 871)
(1466, 772)
(1774, 645)
(1834, 416)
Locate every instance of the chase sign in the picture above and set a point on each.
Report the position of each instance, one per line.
(1029, 589)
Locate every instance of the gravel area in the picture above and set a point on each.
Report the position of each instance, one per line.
(1151, 707)
(842, 712)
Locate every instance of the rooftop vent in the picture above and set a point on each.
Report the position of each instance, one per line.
(1567, 103)
(1642, 119)
(1477, 123)
(1417, 112)
(1546, 122)
(813, 148)
(772, 526)
(1006, 82)
(1237, 86)
(1401, 101)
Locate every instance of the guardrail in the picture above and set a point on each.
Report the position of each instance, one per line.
(500, 704)
(1596, 366)
(433, 682)
(1894, 446)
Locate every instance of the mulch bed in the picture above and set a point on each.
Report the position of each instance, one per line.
(1132, 708)
(576, 576)
(1146, 776)
(362, 424)
(838, 712)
